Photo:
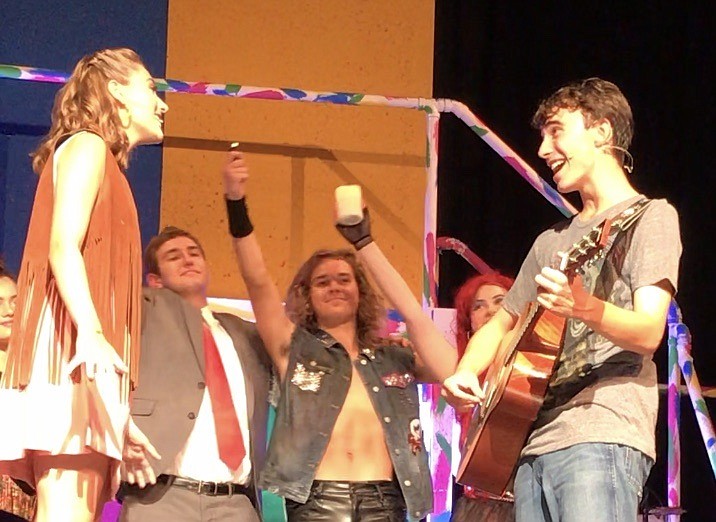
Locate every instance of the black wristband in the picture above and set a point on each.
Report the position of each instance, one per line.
(239, 222)
(357, 235)
(364, 241)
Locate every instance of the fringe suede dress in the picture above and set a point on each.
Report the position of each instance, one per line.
(43, 408)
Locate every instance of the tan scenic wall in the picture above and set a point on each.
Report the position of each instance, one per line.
(298, 152)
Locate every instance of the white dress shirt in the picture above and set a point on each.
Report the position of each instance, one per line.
(199, 459)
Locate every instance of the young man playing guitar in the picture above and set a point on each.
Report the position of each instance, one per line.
(592, 445)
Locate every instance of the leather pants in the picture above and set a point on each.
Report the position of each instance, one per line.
(338, 501)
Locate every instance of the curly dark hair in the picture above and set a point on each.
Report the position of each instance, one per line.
(371, 312)
(597, 99)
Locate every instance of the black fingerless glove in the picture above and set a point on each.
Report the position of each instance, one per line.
(239, 222)
(359, 234)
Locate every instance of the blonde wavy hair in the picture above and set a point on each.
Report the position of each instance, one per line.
(371, 312)
(85, 103)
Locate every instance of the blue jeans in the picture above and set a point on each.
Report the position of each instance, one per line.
(592, 481)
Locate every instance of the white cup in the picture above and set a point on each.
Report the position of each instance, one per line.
(349, 205)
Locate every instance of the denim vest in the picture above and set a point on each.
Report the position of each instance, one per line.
(312, 395)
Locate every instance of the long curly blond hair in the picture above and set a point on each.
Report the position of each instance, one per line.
(84, 103)
(371, 312)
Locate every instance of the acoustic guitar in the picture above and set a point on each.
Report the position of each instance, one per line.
(516, 382)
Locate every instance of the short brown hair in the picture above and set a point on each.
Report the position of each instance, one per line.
(151, 263)
(371, 312)
(596, 99)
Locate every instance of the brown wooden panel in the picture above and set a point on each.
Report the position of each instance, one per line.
(298, 152)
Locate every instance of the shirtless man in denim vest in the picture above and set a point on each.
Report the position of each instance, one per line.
(347, 443)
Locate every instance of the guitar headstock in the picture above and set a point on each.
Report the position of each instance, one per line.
(591, 247)
(587, 250)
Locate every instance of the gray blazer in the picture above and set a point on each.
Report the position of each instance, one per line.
(171, 379)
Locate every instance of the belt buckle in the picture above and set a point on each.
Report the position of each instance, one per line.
(210, 493)
(215, 491)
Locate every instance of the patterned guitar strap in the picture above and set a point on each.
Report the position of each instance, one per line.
(582, 362)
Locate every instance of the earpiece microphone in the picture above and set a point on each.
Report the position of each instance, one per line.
(628, 158)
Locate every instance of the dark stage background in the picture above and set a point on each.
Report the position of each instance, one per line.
(501, 59)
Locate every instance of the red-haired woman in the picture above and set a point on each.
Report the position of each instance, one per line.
(476, 301)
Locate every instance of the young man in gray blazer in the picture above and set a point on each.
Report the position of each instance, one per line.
(192, 362)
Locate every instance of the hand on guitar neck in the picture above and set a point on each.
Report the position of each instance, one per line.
(568, 298)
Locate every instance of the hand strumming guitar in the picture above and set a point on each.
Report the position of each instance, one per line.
(462, 391)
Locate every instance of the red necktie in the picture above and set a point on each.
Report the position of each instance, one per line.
(228, 432)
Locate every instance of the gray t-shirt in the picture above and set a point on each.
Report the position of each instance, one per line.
(619, 409)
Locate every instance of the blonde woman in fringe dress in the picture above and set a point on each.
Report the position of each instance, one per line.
(73, 351)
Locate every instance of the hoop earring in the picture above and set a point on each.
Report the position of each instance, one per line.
(125, 117)
(310, 314)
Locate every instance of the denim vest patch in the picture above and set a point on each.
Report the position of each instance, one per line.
(312, 395)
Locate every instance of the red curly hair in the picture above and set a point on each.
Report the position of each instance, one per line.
(464, 299)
